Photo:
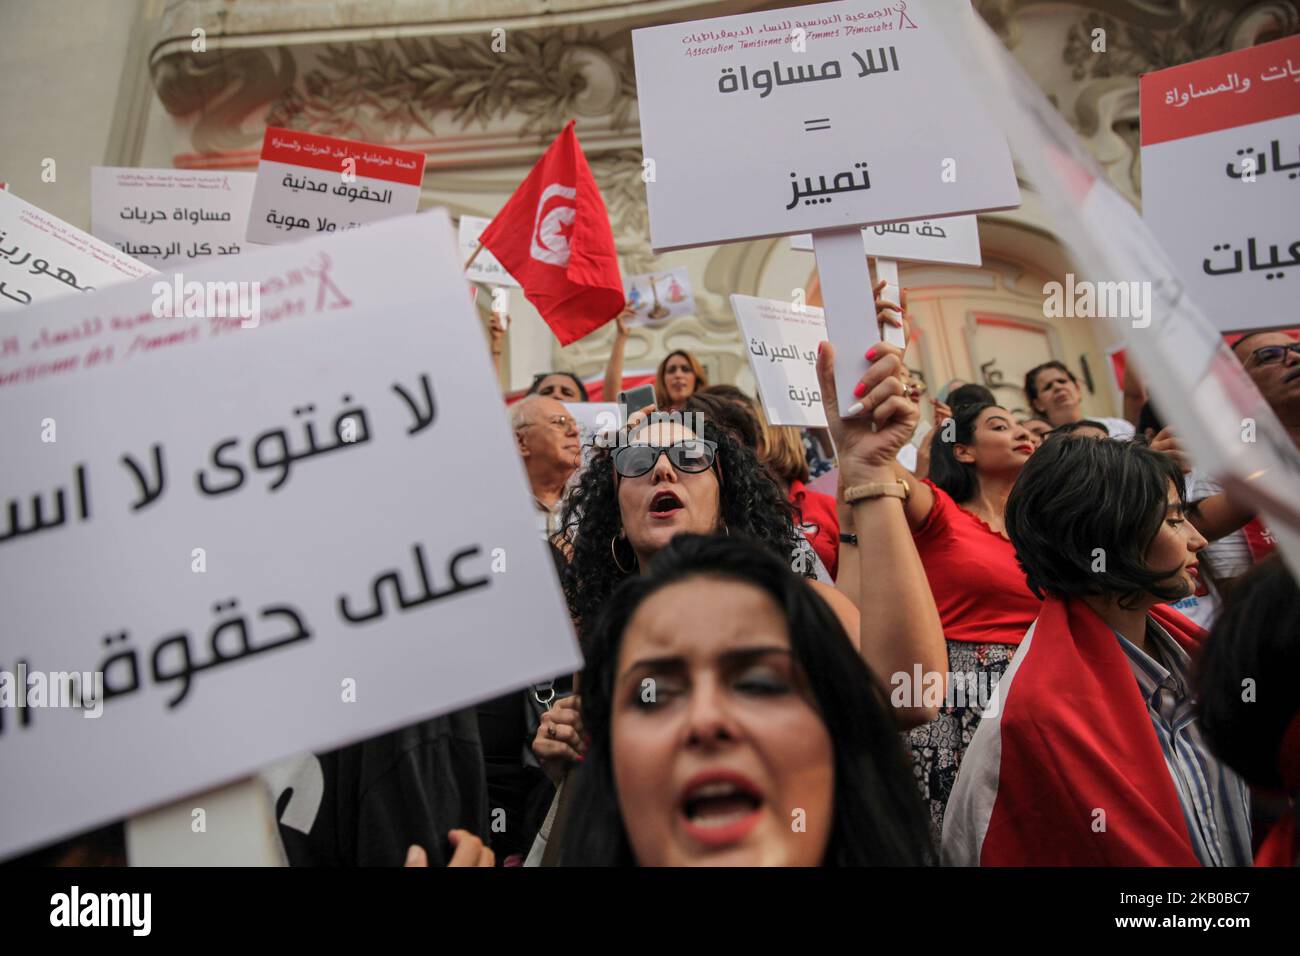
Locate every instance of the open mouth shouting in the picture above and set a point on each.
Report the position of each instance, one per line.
(719, 808)
(664, 505)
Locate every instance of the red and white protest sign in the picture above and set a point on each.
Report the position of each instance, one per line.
(307, 183)
(1220, 163)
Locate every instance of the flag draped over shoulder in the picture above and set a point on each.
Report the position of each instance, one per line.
(554, 237)
(1067, 770)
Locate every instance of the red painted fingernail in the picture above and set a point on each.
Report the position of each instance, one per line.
(871, 353)
(819, 348)
(860, 390)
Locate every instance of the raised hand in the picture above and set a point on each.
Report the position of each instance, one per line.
(869, 437)
(559, 743)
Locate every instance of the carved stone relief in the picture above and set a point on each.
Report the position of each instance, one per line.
(483, 112)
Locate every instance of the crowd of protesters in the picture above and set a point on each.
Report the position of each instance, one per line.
(978, 660)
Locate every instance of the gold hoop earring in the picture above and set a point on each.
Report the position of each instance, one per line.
(613, 553)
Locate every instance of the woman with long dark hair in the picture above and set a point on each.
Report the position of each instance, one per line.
(732, 724)
(957, 520)
(665, 479)
(679, 376)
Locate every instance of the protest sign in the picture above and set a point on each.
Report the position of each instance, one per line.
(782, 351)
(792, 83)
(270, 554)
(313, 183)
(170, 217)
(1194, 379)
(955, 240)
(484, 268)
(1220, 160)
(43, 258)
(659, 296)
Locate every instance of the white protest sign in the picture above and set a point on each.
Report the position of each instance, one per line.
(170, 217)
(43, 258)
(239, 533)
(1220, 163)
(791, 86)
(313, 183)
(782, 354)
(659, 296)
(955, 240)
(1194, 379)
(485, 268)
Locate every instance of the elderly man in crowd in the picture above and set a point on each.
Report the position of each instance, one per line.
(550, 444)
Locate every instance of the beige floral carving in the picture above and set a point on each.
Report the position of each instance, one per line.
(377, 89)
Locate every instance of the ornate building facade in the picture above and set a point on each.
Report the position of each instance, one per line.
(427, 75)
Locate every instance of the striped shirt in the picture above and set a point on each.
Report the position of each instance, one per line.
(1215, 800)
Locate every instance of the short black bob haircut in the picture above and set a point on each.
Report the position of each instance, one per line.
(879, 817)
(542, 376)
(1076, 495)
(957, 478)
(1256, 636)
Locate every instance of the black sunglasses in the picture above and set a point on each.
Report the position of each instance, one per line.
(692, 456)
(1273, 353)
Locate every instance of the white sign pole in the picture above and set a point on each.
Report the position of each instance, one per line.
(229, 826)
(850, 306)
(887, 269)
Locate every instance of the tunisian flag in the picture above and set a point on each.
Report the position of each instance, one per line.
(554, 237)
(1070, 734)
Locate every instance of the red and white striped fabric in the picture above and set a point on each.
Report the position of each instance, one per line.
(1067, 735)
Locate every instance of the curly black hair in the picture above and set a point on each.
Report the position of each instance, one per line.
(750, 501)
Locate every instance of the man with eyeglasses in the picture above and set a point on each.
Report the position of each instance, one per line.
(1272, 360)
(550, 443)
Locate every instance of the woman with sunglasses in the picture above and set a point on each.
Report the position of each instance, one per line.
(753, 737)
(665, 480)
